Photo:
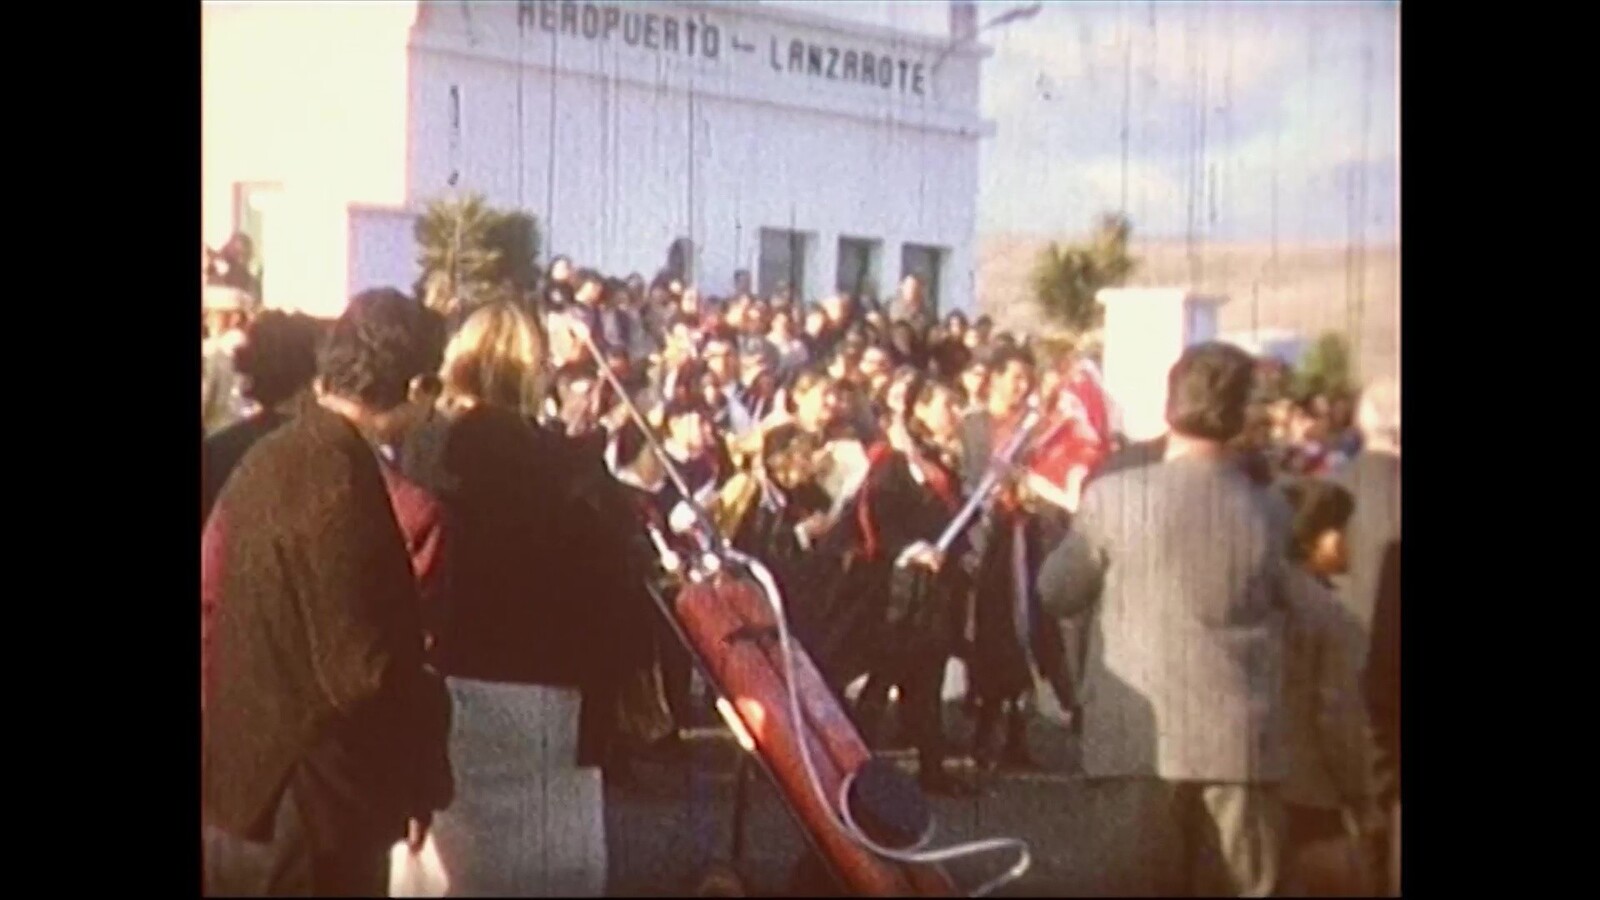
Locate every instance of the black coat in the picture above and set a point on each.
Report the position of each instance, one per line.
(518, 610)
(547, 575)
(1383, 674)
(221, 453)
(999, 660)
(921, 615)
(317, 674)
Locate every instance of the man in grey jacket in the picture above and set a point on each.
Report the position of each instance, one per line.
(1183, 568)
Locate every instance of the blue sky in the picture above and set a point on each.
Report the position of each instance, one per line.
(1245, 121)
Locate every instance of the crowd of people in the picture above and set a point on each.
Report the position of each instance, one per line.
(434, 542)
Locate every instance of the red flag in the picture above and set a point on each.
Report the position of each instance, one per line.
(1080, 435)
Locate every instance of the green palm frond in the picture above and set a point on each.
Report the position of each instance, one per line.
(470, 253)
(1065, 279)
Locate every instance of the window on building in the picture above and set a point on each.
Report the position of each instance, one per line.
(927, 263)
(783, 262)
(858, 266)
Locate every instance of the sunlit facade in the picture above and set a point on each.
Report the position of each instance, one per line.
(805, 149)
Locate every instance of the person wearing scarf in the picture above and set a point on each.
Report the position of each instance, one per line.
(911, 492)
(1008, 542)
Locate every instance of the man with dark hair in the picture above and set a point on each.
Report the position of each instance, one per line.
(912, 304)
(1247, 450)
(571, 406)
(1327, 792)
(758, 381)
(977, 337)
(1184, 566)
(323, 733)
(589, 297)
(278, 361)
(616, 321)
(231, 266)
(722, 365)
(685, 441)
(558, 285)
(1006, 547)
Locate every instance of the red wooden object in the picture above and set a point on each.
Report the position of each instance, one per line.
(734, 631)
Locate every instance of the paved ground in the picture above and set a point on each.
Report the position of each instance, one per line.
(666, 830)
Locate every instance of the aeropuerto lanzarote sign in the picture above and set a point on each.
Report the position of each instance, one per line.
(696, 35)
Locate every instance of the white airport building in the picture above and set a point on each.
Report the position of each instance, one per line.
(796, 144)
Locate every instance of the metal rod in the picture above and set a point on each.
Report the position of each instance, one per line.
(713, 537)
(997, 466)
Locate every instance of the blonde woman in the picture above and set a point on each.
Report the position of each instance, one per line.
(519, 638)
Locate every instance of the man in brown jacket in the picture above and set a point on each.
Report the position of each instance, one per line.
(324, 735)
(1183, 567)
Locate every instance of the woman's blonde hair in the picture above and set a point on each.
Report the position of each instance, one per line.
(496, 358)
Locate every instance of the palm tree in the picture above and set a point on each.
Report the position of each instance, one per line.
(459, 263)
(1066, 278)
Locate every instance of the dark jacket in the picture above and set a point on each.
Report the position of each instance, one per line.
(518, 608)
(1383, 675)
(221, 452)
(899, 506)
(317, 667)
(422, 524)
(1005, 614)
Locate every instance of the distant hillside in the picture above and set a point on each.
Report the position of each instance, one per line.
(1311, 289)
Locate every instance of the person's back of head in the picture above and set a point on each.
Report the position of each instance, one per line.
(374, 350)
(496, 358)
(279, 357)
(1322, 511)
(1208, 392)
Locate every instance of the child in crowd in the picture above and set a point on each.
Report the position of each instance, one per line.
(1327, 794)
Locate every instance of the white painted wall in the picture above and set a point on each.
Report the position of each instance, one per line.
(383, 249)
(621, 148)
(1146, 330)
